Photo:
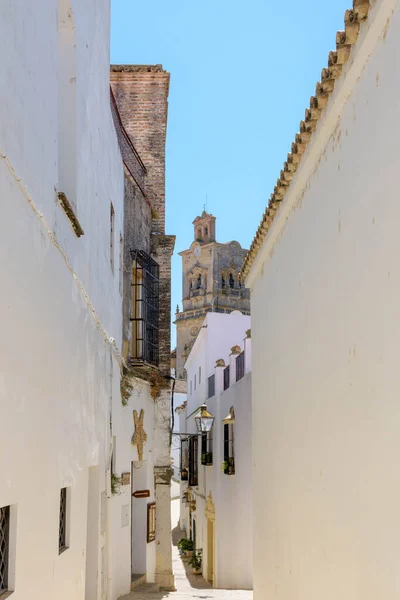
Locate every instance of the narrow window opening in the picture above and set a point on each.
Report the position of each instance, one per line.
(151, 522)
(4, 547)
(112, 223)
(184, 459)
(240, 366)
(231, 281)
(145, 308)
(223, 282)
(195, 382)
(229, 450)
(211, 386)
(199, 282)
(62, 526)
(193, 461)
(206, 449)
(121, 263)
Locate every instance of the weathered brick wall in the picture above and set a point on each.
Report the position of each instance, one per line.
(141, 93)
(137, 233)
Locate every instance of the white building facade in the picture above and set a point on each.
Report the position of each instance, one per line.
(60, 298)
(216, 486)
(73, 449)
(326, 389)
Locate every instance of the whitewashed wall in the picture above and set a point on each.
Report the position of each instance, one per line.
(131, 553)
(216, 337)
(326, 414)
(58, 378)
(231, 494)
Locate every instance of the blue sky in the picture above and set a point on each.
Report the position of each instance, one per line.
(242, 74)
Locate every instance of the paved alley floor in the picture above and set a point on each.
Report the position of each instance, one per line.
(187, 585)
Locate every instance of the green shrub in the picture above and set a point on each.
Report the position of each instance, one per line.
(185, 545)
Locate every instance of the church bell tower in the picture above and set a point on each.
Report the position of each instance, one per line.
(210, 282)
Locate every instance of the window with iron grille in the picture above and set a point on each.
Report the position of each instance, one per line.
(4, 547)
(206, 449)
(226, 377)
(211, 386)
(193, 460)
(184, 459)
(62, 526)
(229, 450)
(151, 522)
(240, 366)
(145, 309)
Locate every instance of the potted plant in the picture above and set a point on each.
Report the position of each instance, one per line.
(185, 547)
(228, 466)
(206, 458)
(196, 561)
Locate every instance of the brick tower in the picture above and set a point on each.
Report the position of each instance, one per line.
(210, 282)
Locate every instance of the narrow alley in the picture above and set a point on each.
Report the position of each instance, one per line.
(187, 585)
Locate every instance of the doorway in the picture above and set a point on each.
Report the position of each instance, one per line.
(210, 550)
(210, 516)
(92, 534)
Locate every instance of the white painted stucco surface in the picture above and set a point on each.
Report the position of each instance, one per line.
(325, 305)
(231, 494)
(58, 377)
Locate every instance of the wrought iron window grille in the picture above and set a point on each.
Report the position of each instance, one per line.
(211, 386)
(206, 449)
(145, 309)
(229, 450)
(193, 461)
(4, 547)
(227, 371)
(240, 366)
(62, 528)
(151, 522)
(184, 459)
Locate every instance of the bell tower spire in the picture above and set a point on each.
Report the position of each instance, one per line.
(204, 228)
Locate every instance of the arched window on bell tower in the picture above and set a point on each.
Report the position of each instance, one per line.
(231, 281)
(199, 281)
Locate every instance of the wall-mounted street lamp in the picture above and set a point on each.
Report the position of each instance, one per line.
(204, 420)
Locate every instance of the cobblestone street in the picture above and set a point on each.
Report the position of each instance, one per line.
(187, 585)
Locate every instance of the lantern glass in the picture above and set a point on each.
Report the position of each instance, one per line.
(204, 420)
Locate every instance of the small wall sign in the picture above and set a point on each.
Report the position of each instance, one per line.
(141, 494)
(125, 478)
